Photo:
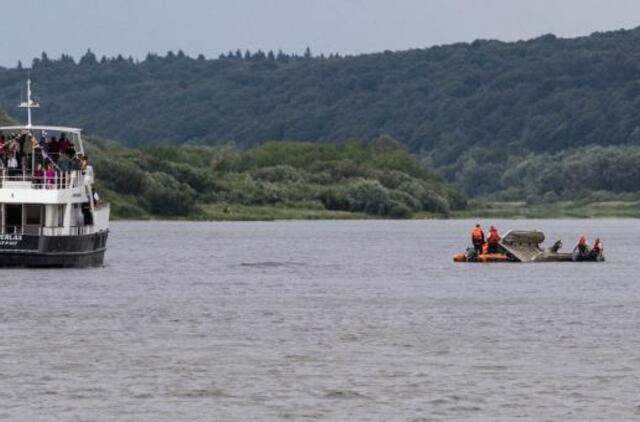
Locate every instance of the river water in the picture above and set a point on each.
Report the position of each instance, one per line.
(335, 321)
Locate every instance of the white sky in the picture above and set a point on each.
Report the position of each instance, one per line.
(210, 27)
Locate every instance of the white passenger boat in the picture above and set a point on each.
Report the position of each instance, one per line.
(50, 215)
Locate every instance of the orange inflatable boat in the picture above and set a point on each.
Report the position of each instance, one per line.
(488, 257)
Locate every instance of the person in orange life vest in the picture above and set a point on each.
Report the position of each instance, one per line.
(477, 238)
(493, 240)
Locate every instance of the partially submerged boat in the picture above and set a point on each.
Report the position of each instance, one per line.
(525, 246)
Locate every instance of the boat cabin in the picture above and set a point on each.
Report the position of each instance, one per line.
(45, 181)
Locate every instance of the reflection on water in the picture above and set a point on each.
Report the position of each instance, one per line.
(323, 320)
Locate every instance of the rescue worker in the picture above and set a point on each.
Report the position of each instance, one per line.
(597, 249)
(477, 238)
(493, 240)
(582, 247)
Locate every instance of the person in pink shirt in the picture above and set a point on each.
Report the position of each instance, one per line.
(50, 175)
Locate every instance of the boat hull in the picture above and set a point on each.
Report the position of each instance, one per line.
(53, 251)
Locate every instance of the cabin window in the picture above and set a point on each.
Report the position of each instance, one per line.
(13, 217)
(33, 215)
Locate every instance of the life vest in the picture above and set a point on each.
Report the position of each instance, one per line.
(477, 235)
(494, 237)
(485, 249)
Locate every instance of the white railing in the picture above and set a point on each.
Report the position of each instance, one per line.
(64, 180)
(36, 230)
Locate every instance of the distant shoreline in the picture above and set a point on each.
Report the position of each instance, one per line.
(498, 210)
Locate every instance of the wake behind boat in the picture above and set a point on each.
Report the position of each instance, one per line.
(50, 214)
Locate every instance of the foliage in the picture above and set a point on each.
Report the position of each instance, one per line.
(355, 176)
(540, 95)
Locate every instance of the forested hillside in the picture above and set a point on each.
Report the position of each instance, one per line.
(481, 114)
(540, 95)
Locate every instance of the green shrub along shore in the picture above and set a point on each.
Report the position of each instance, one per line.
(277, 180)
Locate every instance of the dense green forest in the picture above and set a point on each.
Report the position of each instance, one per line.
(540, 120)
(274, 180)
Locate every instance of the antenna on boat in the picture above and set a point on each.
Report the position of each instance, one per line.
(29, 104)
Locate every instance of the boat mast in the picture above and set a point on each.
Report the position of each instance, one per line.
(29, 104)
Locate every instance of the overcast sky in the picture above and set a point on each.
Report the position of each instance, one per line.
(210, 27)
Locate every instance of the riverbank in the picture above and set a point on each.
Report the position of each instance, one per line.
(476, 209)
(562, 209)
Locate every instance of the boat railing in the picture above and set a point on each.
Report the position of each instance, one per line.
(61, 180)
(37, 230)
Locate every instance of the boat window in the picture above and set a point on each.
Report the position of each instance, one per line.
(33, 215)
(13, 217)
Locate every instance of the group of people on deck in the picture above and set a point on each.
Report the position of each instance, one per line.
(52, 161)
(484, 245)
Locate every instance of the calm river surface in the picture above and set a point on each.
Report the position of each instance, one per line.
(335, 321)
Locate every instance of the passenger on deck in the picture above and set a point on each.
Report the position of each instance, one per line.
(54, 148)
(3, 149)
(38, 176)
(50, 175)
(477, 238)
(84, 163)
(64, 166)
(22, 140)
(493, 240)
(12, 165)
(45, 144)
(65, 144)
(13, 149)
(29, 147)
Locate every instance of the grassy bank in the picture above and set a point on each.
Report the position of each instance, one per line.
(235, 212)
(498, 210)
(561, 209)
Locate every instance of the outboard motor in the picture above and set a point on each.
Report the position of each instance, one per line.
(556, 247)
(471, 254)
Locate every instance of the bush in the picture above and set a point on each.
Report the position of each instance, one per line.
(369, 196)
(341, 170)
(121, 175)
(278, 174)
(334, 198)
(399, 210)
(407, 200)
(166, 196)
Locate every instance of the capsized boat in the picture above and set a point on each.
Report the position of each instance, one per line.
(524, 246)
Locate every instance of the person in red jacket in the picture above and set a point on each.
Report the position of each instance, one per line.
(493, 240)
(477, 238)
